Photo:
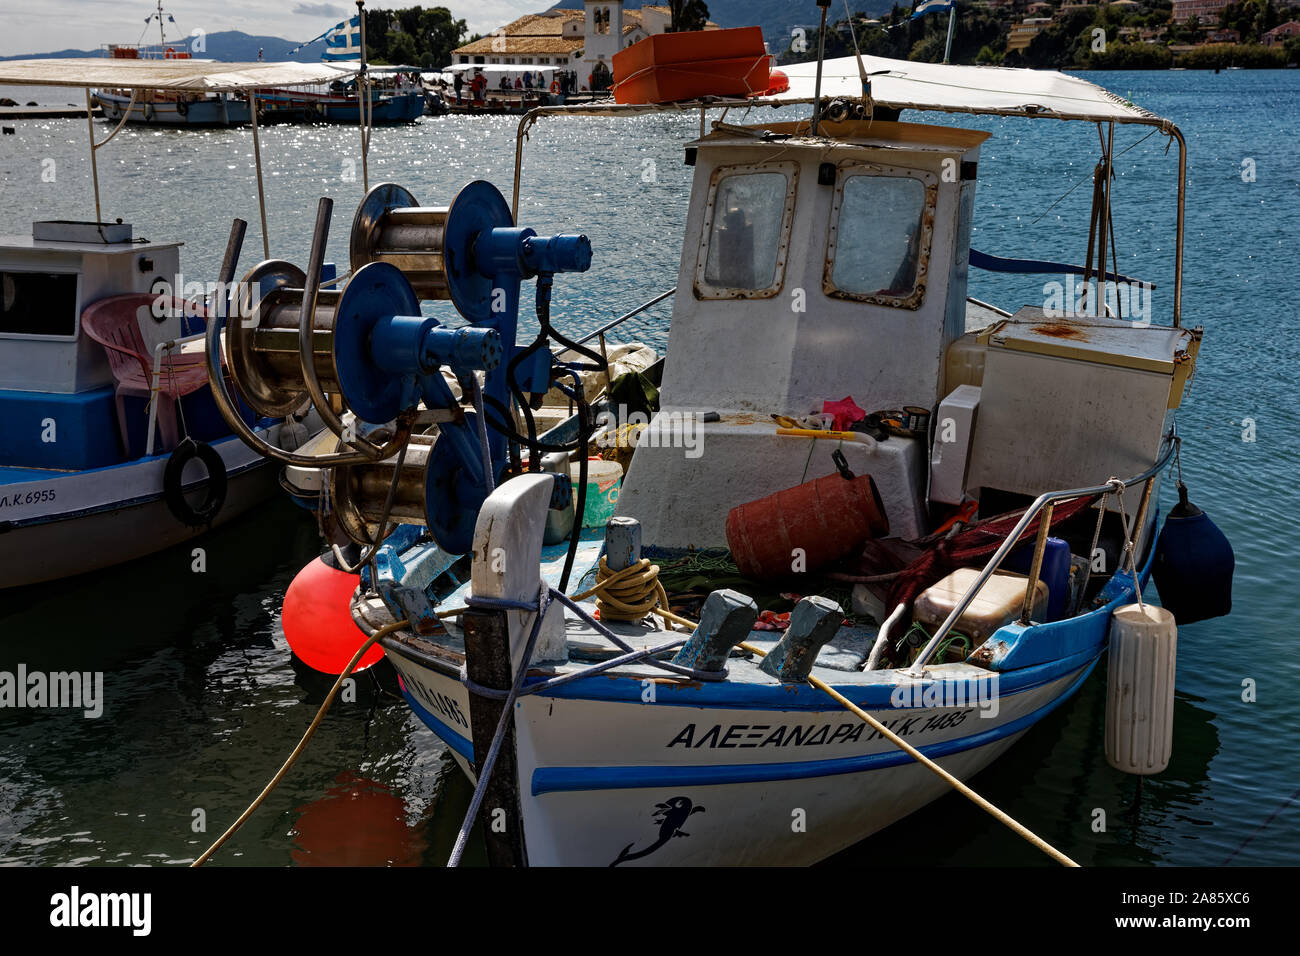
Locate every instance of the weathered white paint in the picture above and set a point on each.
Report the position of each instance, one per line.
(760, 354)
(1065, 411)
(749, 358)
(507, 561)
(75, 364)
(682, 501)
(744, 823)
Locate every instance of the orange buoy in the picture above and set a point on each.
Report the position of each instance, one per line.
(317, 619)
(805, 527)
(778, 82)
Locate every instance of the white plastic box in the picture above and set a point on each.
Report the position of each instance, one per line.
(950, 453)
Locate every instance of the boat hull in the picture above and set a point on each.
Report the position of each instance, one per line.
(789, 784)
(204, 112)
(67, 523)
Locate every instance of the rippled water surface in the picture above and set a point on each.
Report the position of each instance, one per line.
(204, 701)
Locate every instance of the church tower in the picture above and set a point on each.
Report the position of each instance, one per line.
(602, 36)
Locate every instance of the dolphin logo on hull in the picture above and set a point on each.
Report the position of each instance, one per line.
(670, 817)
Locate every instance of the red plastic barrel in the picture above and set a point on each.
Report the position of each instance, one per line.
(805, 527)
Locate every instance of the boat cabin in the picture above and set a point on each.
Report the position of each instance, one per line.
(57, 392)
(815, 269)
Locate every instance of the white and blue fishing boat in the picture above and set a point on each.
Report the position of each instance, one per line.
(113, 446)
(678, 685)
(395, 93)
(162, 107)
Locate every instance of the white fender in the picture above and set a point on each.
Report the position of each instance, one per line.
(1140, 689)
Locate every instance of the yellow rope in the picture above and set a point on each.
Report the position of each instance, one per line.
(1017, 827)
(320, 715)
(627, 595)
(631, 594)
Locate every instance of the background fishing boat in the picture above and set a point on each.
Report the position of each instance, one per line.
(117, 449)
(394, 94)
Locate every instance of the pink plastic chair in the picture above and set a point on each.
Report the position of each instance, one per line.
(113, 323)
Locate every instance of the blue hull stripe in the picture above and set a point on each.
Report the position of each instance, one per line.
(729, 694)
(462, 745)
(570, 779)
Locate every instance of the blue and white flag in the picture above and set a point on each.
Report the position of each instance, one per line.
(931, 6)
(343, 42)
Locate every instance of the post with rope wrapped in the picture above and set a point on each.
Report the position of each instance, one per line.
(487, 664)
(502, 638)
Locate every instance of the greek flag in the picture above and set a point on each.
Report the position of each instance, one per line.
(343, 42)
(931, 6)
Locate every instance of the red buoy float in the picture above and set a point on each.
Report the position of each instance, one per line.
(805, 527)
(317, 619)
(778, 82)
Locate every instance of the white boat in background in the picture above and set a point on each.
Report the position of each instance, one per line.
(114, 446)
(395, 93)
(86, 479)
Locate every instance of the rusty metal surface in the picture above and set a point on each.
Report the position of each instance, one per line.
(1061, 330)
(701, 287)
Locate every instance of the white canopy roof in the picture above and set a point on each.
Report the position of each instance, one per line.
(1000, 91)
(190, 75)
(966, 89)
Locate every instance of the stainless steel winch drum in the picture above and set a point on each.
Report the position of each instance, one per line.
(262, 339)
(360, 491)
(391, 226)
(433, 247)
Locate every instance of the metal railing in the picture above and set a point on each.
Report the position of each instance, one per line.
(1045, 502)
(625, 316)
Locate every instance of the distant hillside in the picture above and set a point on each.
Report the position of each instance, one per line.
(231, 46)
(778, 18)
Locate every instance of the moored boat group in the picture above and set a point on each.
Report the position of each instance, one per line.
(655, 607)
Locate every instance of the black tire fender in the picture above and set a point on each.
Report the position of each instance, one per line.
(185, 512)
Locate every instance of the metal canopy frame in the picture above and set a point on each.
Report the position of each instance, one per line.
(145, 83)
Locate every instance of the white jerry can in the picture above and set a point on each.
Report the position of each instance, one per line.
(1140, 689)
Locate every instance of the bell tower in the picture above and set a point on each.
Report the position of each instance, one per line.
(602, 35)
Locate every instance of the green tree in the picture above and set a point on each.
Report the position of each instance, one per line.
(401, 49)
(688, 15)
(441, 33)
(1131, 56)
(421, 36)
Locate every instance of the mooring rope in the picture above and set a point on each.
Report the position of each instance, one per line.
(1016, 827)
(630, 594)
(302, 744)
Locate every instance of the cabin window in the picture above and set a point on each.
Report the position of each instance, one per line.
(879, 245)
(38, 303)
(746, 232)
